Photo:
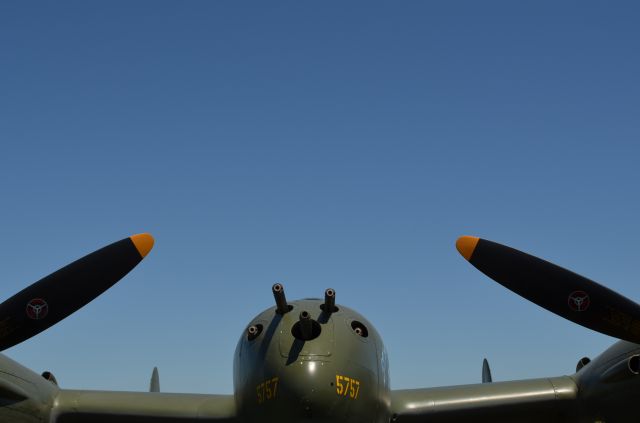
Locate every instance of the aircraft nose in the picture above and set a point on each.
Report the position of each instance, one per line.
(310, 386)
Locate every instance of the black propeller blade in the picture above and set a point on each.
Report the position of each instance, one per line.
(58, 295)
(559, 290)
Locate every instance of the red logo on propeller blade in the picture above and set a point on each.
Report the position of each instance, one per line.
(37, 309)
(578, 301)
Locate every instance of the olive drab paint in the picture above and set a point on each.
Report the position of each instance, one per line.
(339, 375)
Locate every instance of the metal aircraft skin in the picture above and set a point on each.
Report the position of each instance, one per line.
(313, 360)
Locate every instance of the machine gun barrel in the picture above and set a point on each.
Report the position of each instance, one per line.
(281, 301)
(329, 301)
(306, 325)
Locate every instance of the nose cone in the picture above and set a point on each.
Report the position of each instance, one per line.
(331, 376)
(325, 391)
(308, 392)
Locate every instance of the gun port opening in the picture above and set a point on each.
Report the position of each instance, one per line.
(359, 329)
(254, 331)
(306, 328)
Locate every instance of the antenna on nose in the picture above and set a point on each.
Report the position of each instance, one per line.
(281, 301)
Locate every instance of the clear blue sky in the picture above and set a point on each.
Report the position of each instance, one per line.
(319, 145)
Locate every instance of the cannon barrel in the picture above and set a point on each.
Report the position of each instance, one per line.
(281, 301)
(329, 301)
(306, 325)
(253, 331)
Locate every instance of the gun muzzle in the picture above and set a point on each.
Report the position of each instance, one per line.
(281, 302)
(253, 331)
(306, 325)
(329, 301)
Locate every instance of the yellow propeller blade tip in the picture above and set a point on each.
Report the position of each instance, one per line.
(466, 245)
(143, 243)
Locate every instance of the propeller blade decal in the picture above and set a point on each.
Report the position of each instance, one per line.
(559, 290)
(58, 295)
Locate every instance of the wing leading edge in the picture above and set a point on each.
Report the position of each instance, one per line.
(73, 406)
(534, 400)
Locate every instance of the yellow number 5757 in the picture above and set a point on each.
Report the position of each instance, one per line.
(347, 387)
(267, 390)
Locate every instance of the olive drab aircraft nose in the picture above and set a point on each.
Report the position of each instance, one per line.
(309, 360)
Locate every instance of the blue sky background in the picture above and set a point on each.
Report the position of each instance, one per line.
(331, 144)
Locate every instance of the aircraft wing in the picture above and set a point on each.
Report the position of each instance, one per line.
(534, 400)
(71, 406)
